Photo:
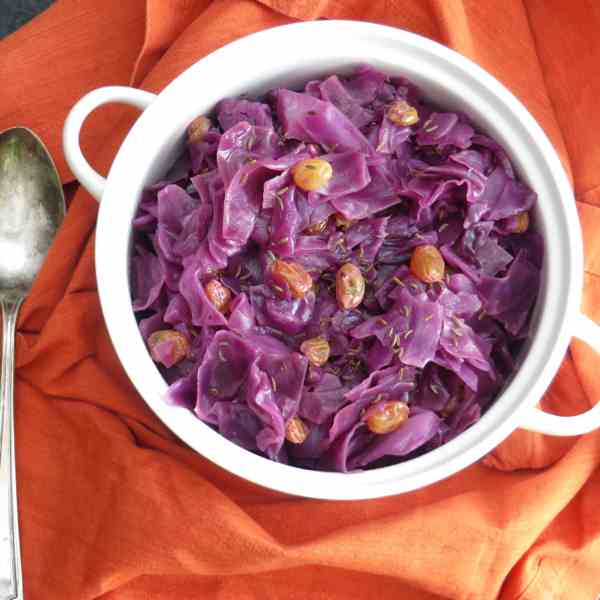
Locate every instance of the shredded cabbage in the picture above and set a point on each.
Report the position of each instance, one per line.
(229, 207)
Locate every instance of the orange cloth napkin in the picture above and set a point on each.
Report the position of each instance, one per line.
(113, 507)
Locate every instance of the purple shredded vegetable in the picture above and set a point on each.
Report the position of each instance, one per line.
(231, 206)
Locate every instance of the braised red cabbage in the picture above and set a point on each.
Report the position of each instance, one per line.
(230, 207)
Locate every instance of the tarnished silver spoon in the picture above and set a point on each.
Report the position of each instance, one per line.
(32, 207)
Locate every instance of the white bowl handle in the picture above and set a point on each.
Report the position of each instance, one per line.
(542, 422)
(92, 181)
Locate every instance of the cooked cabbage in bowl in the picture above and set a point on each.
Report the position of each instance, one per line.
(336, 278)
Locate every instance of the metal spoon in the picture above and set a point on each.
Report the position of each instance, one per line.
(32, 207)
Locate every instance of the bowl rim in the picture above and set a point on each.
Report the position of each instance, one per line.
(470, 446)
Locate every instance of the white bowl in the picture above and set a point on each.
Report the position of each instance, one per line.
(289, 56)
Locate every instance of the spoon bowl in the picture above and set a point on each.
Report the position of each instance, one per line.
(32, 207)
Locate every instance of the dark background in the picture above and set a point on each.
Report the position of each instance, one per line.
(14, 13)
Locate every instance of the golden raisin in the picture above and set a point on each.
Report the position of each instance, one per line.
(316, 228)
(522, 224)
(180, 347)
(385, 417)
(342, 222)
(312, 174)
(449, 408)
(349, 286)
(198, 129)
(402, 113)
(427, 264)
(218, 294)
(316, 350)
(296, 431)
(293, 276)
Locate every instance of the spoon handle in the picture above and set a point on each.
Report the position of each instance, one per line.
(11, 578)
